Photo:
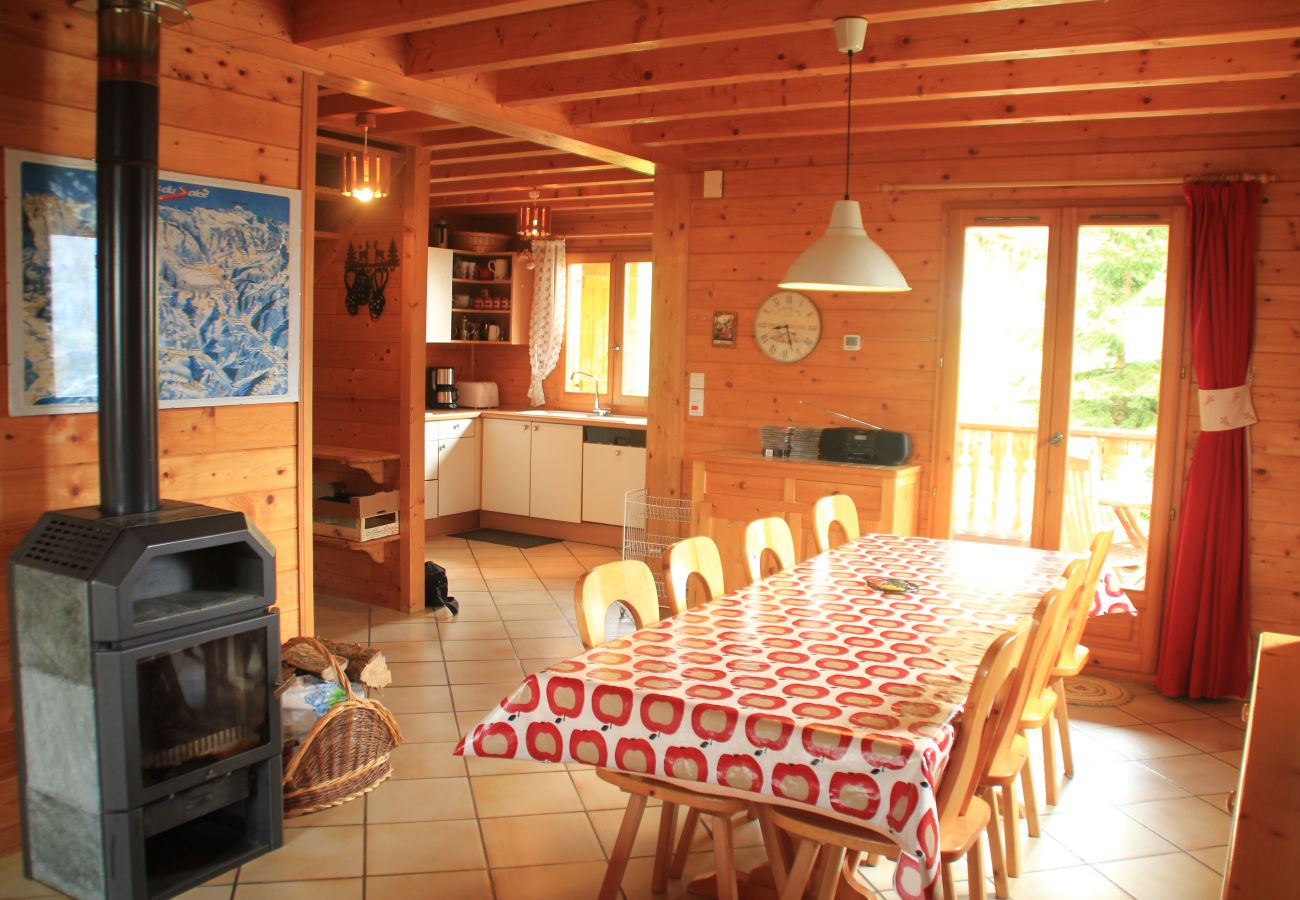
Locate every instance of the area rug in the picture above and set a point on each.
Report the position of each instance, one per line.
(1085, 690)
(508, 538)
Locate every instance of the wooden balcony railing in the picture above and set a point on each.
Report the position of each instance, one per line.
(993, 479)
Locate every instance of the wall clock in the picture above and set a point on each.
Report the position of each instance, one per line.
(787, 326)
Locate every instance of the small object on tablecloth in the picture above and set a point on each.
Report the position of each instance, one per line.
(892, 585)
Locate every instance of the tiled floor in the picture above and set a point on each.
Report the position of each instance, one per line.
(1143, 817)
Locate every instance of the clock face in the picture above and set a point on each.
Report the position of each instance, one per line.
(787, 326)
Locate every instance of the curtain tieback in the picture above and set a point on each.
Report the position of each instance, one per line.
(1226, 408)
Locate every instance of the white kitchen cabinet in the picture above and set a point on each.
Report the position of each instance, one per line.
(437, 297)
(507, 449)
(458, 479)
(608, 473)
(556, 491)
(532, 469)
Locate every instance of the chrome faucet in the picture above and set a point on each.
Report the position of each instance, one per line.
(596, 407)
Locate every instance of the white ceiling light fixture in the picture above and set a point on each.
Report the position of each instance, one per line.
(844, 258)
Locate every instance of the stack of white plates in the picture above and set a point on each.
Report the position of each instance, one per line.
(775, 437)
(805, 443)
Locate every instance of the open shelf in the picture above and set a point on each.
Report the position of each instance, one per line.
(374, 547)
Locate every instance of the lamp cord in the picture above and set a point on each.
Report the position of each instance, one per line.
(848, 129)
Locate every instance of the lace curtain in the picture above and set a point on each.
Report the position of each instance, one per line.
(546, 332)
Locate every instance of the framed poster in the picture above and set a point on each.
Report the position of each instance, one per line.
(228, 288)
(724, 329)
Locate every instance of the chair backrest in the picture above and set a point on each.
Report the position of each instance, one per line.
(835, 516)
(1043, 640)
(627, 581)
(1083, 516)
(980, 721)
(769, 547)
(1087, 591)
(694, 560)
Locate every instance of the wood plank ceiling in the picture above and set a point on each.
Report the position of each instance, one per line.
(704, 83)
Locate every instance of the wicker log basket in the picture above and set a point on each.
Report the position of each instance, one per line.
(344, 755)
(479, 241)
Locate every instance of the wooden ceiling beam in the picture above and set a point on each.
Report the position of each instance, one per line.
(329, 106)
(543, 183)
(458, 138)
(553, 196)
(610, 203)
(564, 162)
(519, 150)
(1205, 99)
(319, 24)
(406, 122)
(612, 27)
(1134, 68)
(1014, 34)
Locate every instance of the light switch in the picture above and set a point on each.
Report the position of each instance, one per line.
(696, 407)
(697, 381)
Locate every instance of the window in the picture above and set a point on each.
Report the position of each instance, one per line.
(607, 329)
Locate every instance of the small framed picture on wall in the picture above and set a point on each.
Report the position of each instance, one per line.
(724, 329)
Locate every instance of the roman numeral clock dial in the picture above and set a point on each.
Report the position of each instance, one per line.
(787, 326)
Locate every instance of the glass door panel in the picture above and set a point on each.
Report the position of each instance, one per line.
(634, 346)
(999, 397)
(586, 346)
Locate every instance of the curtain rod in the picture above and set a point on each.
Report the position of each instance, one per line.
(1262, 177)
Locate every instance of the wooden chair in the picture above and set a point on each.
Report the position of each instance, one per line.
(693, 561)
(1010, 758)
(631, 583)
(963, 816)
(1084, 517)
(769, 547)
(1074, 655)
(835, 513)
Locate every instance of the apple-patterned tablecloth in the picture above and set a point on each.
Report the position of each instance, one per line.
(808, 688)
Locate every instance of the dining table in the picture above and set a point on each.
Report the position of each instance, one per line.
(825, 686)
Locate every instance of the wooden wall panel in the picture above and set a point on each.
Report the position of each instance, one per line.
(224, 114)
(772, 208)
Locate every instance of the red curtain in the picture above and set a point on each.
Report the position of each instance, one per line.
(1205, 641)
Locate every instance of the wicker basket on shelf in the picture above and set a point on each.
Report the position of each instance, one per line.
(345, 754)
(479, 241)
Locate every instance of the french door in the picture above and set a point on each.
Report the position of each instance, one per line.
(1063, 388)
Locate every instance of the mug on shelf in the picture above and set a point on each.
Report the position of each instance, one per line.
(493, 333)
(500, 268)
(464, 268)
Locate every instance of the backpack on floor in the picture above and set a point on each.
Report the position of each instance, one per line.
(435, 589)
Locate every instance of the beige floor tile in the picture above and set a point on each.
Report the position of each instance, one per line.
(1220, 709)
(1078, 883)
(426, 699)
(1087, 752)
(435, 760)
(553, 627)
(407, 847)
(355, 633)
(1164, 877)
(1218, 801)
(1089, 717)
(597, 793)
(528, 612)
(14, 885)
(483, 671)
(206, 892)
(1101, 834)
(482, 696)
(484, 765)
(559, 583)
(522, 570)
(636, 880)
(531, 583)
(558, 569)
(411, 674)
(1038, 854)
(1199, 774)
(423, 727)
(1122, 782)
(474, 885)
(309, 854)
(541, 840)
(459, 651)
(562, 882)
(458, 583)
(471, 631)
(1231, 757)
(533, 666)
(1209, 735)
(420, 800)
(409, 651)
(608, 821)
(525, 795)
(561, 646)
(1187, 823)
(522, 598)
(1214, 857)
(351, 813)
(1142, 741)
(337, 889)
(1154, 709)
(467, 719)
(423, 630)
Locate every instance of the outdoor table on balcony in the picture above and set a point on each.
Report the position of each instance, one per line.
(808, 688)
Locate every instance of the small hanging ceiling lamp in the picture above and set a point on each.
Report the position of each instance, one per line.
(365, 174)
(534, 219)
(844, 258)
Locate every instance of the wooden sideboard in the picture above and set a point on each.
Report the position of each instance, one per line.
(730, 488)
(1263, 860)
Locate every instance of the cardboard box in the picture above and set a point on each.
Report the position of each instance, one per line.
(359, 518)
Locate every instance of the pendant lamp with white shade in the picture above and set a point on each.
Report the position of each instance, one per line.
(844, 258)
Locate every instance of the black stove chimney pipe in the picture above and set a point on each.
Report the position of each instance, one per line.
(126, 151)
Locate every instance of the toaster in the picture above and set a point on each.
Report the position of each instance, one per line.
(478, 394)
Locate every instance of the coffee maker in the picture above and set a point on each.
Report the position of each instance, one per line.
(440, 388)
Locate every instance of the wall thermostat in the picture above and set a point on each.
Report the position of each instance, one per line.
(852, 342)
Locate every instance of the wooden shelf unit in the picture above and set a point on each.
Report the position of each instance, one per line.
(513, 297)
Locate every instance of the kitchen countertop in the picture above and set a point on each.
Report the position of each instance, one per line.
(559, 416)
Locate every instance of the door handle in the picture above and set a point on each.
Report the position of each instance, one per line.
(1056, 438)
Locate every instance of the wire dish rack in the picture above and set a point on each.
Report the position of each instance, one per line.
(650, 526)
